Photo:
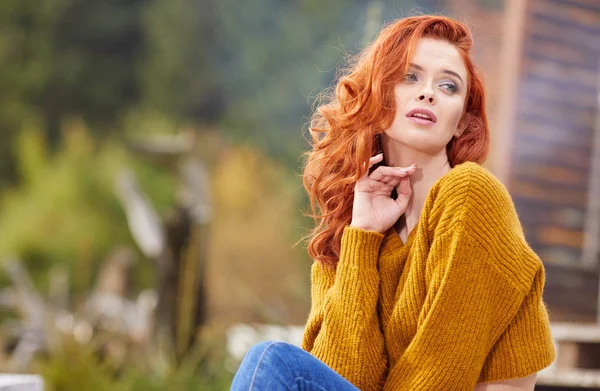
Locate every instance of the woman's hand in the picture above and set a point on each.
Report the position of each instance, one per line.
(373, 208)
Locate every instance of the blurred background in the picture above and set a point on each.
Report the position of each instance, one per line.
(150, 189)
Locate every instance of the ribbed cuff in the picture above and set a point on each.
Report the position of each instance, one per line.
(322, 276)
(360, 247)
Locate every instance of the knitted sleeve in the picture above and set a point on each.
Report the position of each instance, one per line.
(343, 327)
(526, 346)
(468, 304)
(482, 317)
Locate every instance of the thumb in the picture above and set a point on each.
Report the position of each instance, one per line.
(404, 192)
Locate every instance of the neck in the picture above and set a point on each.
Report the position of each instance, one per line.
(430, 168)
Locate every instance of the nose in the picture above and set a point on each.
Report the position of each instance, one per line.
(426, 96)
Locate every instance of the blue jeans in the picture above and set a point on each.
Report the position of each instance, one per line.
(278, 366)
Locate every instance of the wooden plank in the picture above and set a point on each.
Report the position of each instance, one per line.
(544, 87)
(552, 146)
(540, 214)
(526, 153)
(566, 35)
(553, 173)
(550, 62)
(588, 5)
(541, 193)
(553, 133)
(567, 13)
(559, 236)
(570, 293)
(552, 112)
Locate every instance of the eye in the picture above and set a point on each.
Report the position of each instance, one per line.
(412, 77)
(449, 86)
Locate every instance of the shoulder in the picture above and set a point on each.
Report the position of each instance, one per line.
(472, 194)
(474, 183)
(471, 202)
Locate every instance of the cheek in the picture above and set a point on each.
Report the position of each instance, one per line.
(454, 114)
(405, 93)
(403, 104)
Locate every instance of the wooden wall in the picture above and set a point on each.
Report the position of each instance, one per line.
(552, 145)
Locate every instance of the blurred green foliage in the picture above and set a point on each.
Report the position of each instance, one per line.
(65, 210)
(79, 367)
(79, 77)
(251, 68)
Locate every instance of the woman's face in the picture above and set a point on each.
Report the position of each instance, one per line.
(430, 99)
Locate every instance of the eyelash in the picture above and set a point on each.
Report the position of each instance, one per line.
(408, 75)
(453, 88)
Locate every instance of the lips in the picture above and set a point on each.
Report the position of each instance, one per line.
(422, 116)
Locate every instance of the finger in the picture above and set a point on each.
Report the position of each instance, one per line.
(395, 181)
(394, 170)
(389, 179)
(386, 177)
(375, 159)
(382, 171)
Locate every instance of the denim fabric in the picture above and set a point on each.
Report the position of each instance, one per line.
(278, 366)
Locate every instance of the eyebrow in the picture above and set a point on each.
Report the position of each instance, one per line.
(446, 71)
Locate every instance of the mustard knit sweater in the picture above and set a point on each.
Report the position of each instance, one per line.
(460, 303)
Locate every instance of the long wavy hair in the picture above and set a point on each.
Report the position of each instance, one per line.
(346, 128)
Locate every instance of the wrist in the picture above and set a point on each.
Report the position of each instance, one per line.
(364, 227)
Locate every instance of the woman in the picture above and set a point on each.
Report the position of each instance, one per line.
(422, 277)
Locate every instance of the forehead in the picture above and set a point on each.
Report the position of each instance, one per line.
(435, 54)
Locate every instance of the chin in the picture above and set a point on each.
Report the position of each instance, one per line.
(418, 140)
(413, 136)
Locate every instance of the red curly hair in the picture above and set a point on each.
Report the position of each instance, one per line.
(346, 128)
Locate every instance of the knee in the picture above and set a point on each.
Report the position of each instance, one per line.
(265, 345)
(266, 350)
(265, 367)
(267, 356)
